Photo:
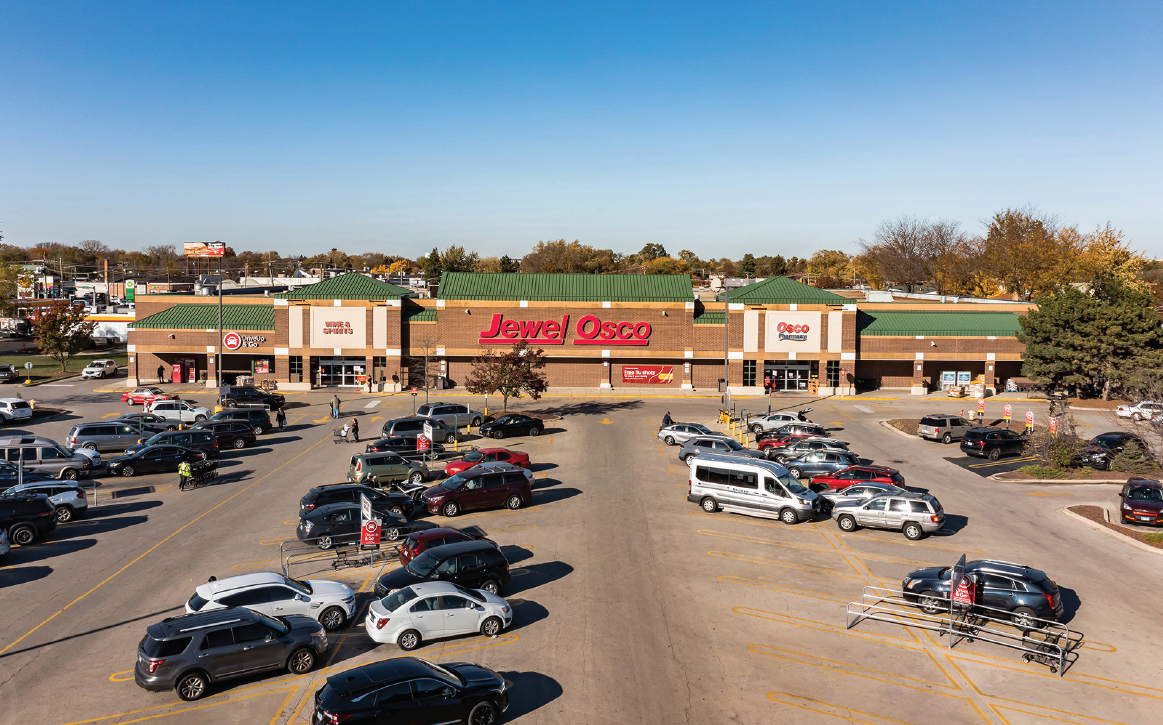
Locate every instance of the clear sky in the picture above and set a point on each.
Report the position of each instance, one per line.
(771, 128)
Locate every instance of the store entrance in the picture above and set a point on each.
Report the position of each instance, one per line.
(342, 371)
(785, 375)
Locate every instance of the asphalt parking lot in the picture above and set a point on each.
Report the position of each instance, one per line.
(631, 604)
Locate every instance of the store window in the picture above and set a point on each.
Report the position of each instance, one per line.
(262, 365)
(748, 373)
(833, 369)
(379, 364)
(296, 364)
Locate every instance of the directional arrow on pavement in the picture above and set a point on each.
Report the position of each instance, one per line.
(378, 417)
(110, 415)
(606, 421)
(323, 420)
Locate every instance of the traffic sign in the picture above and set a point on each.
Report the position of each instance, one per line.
(28, 366)
(232, 341)
(1007, 411)
(423, 443)
(370, 533)
(428, 431)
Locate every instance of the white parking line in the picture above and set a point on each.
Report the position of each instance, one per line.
(865, 408)
(372, 404)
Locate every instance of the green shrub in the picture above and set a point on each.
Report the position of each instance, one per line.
(1042, 471)
(1131, 460)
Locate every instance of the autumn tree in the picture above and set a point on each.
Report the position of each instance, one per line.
(1029, 253)
(560, 256)
(61, 332)
(512, 373)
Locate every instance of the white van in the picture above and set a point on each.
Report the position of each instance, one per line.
(752, 487)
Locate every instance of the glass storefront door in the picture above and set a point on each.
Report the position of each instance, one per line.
(341, 370)
(787, 375)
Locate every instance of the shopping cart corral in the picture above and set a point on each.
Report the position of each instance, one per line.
(306, 558)
(1049, 643)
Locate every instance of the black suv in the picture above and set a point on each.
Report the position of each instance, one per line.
(241, 397)
(382, 501)
(195, 440)
(992, 443)
(1102, 449)
(27, 517)
(190, 652)
(406, 689)
(1015, 588)
(339, 524)
(257, 417)
(472, 564)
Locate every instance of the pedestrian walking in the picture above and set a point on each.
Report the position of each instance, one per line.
(335, 406)
(281, 419)
(185, 475)
(369, 383)
(355, 428)
(161, 373)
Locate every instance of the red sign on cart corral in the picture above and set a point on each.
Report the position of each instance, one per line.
(1029, 419)
(963, 594)
(1007, 411)
(370, 533)
(423, 444)
(1053, 425)
(981, 405)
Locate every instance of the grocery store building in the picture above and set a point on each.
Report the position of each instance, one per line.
(599, 332)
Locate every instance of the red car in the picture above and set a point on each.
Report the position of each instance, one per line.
(485, 455)
(1142, 502)
(858, 474)
(141, 396)
(420, 541)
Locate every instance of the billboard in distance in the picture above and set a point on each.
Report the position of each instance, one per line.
(204, 249)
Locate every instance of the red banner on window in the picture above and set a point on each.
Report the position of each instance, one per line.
(648, 374)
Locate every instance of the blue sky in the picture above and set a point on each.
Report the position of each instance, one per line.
(771, 128)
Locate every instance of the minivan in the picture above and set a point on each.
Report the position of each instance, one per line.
(46, 456)
(103, 436)
(452, 415)
(753, 487)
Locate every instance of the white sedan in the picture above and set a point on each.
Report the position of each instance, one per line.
(331, 603)
(1145, 410)
(432, 610)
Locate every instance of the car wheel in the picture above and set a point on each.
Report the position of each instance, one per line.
(409, 640)
(931, 603)
(65, 514)
(476, 423)
(90, 446)
(127, 471)
(769, 453)
(416, 477)
(947, 438)
(451, 509)
(22, 535)
(199, 418)
(686, 457)
(69, 474)
(332, 618)
(323, 542)
(192, 686)
(229, 404)
(239, 443)
(669, 440)
(491, 627)
(756, 429)
(1024, 618)
(789, 516)
(391, 533)
(780, 459)
(995, 454)
(498, 434)
(846, 523)
(513, 503)
(795, 473)
(171, 427)
(913, 531)
(399, 511)
(709, 505)
(534, 432)
(301, 661)
(491, 586)
(130, 402)
(483, 713)
(1107, 465)
(1136, 417)
(450, 438)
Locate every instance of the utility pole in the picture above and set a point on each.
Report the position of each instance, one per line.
(726, 338)
(218, 357)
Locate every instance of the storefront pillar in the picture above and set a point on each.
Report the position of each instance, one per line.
(688, 382)
(990, 375)
(919, 387)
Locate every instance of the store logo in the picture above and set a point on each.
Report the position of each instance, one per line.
(337, 327)
(796, 333)
(233, 341)
(589, 331)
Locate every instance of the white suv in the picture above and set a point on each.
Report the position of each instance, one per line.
(13, 409)
(266, 592)
(175, 411)
(99, 369)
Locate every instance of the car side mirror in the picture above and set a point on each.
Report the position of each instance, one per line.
(447, 692)
(269, 638)
(303, 597)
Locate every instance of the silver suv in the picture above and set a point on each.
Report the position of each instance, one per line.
(914, 514)
(704, 445)
(677, 433)
(452, 415)
(944, 428)
(177, 411)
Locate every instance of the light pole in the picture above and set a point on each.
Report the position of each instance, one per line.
(726, 338)
(218, 355)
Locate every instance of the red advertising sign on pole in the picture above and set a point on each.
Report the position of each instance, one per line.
(1029, 419)
(423, 444)
(1007, 411)
(653, 374)
(1054, 425)
(963, 594)
(370, 533)
(981, 405)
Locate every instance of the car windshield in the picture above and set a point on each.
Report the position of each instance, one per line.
(444, 672)
(395, 600)
(155, 439)
(453, 482)
(422, 565)
(276, 624)
(470, 593)
(296, 584)
(792, 485)
(473, 457)
(1142, 493)
(701, 428)
(424, 410)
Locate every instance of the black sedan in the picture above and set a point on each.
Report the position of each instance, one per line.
(1101, 450)
(152, 459)
(339, 523)
(148, 419)
(410, 690)
(512, 424)
(383, 502)
(404, 447)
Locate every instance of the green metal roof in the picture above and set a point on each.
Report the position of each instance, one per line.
(709, 317)
(785, 291)
(937, 323)
(350, 286)
(419, 314)
(205, 317)
(566, 287)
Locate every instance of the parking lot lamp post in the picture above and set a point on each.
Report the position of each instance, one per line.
(726, 338)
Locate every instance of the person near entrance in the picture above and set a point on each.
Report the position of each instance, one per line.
(334, 406)
(281, 419)
(161, 373)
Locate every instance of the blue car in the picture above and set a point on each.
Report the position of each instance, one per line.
(9, 476)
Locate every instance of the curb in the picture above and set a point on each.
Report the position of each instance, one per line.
(50, 380)
(1111, 532)
(898, 431)
(1057, 481)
